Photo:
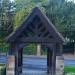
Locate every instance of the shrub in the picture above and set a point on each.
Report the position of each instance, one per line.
(2, 69)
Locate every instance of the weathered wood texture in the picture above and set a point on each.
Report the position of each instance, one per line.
(20, 59)
(49, 61)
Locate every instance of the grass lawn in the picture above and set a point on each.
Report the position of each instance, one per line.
(69, 70)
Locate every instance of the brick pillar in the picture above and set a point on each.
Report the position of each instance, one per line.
(38, 49)
(10, 65)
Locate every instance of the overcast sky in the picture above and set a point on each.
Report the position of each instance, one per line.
(11, 0)
(68, 0)
(72, 0)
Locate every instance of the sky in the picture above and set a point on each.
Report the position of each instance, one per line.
(68, 0)
(72, 0)
(11, 0)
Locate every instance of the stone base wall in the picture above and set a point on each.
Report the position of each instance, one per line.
(59, 65)
(10, 69)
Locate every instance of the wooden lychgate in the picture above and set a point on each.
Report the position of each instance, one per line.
(36, 28)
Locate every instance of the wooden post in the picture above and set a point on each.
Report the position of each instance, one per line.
(17, 66)
(20, 57)
(38, 49)
(61, 49)
(49, 61)
(54, 60)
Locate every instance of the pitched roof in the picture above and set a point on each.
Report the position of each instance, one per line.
(45, 21)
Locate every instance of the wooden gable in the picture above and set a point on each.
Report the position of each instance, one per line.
(36, 27)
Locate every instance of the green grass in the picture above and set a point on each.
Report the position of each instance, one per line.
(69, 69)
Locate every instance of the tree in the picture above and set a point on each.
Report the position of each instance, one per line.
(5, 18)
(23, 7)
(5, 22)
(61, 13)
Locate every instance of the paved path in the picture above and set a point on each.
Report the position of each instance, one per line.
(36, 65)
(38, 60)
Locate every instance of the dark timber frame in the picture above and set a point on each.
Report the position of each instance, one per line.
(36, 28)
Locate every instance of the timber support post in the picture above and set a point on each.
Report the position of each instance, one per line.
(49, 61)
(54, 63)
(20, 59)
(16, 62)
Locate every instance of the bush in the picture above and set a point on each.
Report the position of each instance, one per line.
(2, 69)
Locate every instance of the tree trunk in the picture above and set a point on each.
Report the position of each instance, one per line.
(38, 49)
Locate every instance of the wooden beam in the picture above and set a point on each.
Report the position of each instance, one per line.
(31, 28)
(11, 50)
(35, 40)
(43, 33)
(41, 27)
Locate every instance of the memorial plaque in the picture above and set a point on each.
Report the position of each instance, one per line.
(10, 70)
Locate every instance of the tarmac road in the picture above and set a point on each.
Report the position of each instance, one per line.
(36, 64)
(37, 61)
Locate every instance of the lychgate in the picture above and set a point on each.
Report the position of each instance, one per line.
(36, 28)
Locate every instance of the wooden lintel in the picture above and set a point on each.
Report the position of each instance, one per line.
(35, 40)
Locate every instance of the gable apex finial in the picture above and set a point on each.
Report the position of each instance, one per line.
(36, 8)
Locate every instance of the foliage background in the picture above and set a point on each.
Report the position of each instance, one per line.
(60, 12)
